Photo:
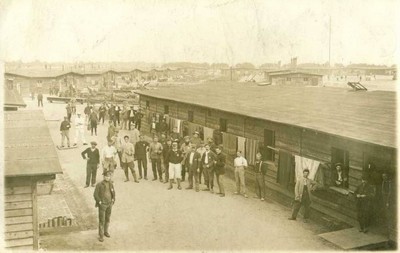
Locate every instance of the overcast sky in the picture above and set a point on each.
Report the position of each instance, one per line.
(198, 31)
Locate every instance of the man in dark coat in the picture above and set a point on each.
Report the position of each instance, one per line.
(102, 112)
(220, 170)
(166, 148)
(131, 117)
(92, 155)
(141, 149)
(207, 162)
(192, 165)
(104, 195)
(260, 170)
(138, 119)
(64, 128)
(40, 99)
(364, 193)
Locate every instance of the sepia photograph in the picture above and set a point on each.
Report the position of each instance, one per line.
(198, 126)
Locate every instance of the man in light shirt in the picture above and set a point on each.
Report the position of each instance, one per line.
(79, 129)
(109, 157)
(128, 158)
(240, 164)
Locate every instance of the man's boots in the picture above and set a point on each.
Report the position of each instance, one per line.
(179, 184)
(170, 184)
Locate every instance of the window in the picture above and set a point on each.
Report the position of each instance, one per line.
(166, 109)
(147, 103)
(288, 79)
(190, 116)
(306, 79)
(223, 125)
(269, 143)
(340, 158)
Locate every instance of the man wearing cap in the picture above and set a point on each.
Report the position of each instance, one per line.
(364, 194)
(302, 195)
(196, 139)
(104, 195)
(69, 111)
(240, 164)
(64, 128)
(80, 129)
(167, 146)
(208, 162)
(175, 158)
(128, 158)
(220, 170)
(117, 143)
(192, 164)
(111, 130)
(340, 178)
(175, 136)
(93, 120)
(109, 157)
(138, 119)
(117, 111)
(141, 149)
(92, 156)
(185, 148)
(155, 156)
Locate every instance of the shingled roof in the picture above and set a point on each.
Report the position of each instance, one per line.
(366, 116)
(28, 147)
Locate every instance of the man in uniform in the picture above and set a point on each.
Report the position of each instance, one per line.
(261, 170)
(175, 158)
(155, 156)
(185, 148)
(64, 128)
(104, 195)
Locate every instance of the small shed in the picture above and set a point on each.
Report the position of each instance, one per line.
(29, 158)
(295, 78)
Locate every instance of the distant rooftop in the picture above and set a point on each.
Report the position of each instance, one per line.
(366, 116)
(28, 147)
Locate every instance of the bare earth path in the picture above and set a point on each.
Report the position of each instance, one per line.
(146, 216)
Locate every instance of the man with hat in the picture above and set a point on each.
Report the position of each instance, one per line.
(208, 162)
(80, 129)
(175, 158)
(111, 130)
(131, 117)
(196, 139)
(220, 169)
(175, 136)
(102, 112)
(64, 128)
(92, 155)
(128, 158)
(364, 194)
(104, 195)
(109, 157)
(340, 178)
(155, 156)
(302, 193)
(185, 148)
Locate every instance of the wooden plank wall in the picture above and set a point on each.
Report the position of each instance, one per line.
(20, 217)
(292, 139)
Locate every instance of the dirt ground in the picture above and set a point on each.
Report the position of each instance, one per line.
(146, 216)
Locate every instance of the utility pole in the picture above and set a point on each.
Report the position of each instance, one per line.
(330, 32)
(231, 73)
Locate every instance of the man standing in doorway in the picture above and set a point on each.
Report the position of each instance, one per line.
(92, 155)
(141, 149)
(240, 164)
(64, 128)
(104, 195)
(302, 195)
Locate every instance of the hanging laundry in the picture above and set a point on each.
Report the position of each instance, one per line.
(251, 150)
(208, 133)
(229, 143)
(241, 145)
(305, 163)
